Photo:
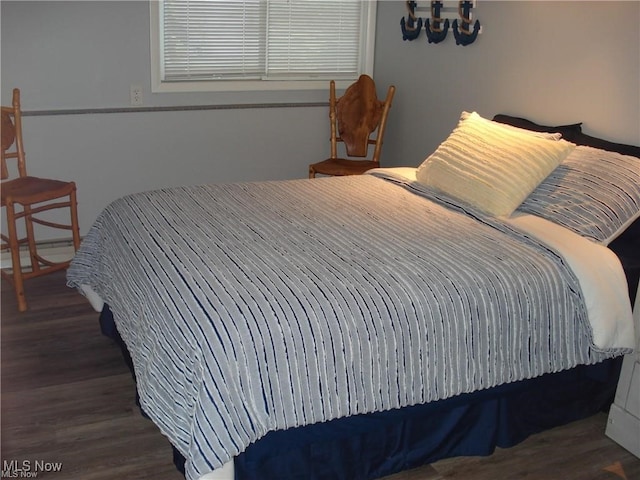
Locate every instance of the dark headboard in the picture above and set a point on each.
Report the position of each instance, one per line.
(572, 133)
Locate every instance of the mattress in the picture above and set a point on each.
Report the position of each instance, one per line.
(256, 307)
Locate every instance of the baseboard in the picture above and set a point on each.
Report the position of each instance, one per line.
(53, 250)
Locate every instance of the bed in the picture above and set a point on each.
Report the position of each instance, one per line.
(425, 316)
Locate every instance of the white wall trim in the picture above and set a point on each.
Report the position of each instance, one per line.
(53, 250)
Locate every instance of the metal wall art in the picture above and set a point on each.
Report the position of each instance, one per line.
(436, 27)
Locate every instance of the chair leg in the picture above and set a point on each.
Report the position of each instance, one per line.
(14, 247)
(75, 227)
(312, 173)
(31, 240)
(39, 265)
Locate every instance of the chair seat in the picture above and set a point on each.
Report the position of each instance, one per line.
(30, 190)
(343, 166)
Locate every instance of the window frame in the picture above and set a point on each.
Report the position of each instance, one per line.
(160, 86)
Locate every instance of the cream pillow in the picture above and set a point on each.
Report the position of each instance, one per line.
(491, 166)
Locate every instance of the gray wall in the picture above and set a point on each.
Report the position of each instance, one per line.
(555, 62)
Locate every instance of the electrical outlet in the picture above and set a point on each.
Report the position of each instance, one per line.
(135, 95)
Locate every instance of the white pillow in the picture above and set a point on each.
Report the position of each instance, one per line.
(491, 166)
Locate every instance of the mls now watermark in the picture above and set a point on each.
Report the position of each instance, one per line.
(28, 468)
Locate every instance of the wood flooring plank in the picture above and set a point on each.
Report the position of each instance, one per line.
(66, 396)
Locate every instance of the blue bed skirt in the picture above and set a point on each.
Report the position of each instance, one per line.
(379, 444)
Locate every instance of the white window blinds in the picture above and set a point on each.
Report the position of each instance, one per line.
(320, 38)
(262, 39)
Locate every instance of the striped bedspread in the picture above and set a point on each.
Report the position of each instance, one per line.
(252, 307)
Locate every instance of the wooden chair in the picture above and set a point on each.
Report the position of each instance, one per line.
(24, 197)
(354, 117)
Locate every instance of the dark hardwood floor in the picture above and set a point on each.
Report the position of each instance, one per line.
(68, 401)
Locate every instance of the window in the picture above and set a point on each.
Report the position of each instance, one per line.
(259, 44)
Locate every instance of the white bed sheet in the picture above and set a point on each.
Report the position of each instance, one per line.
(604, 286)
